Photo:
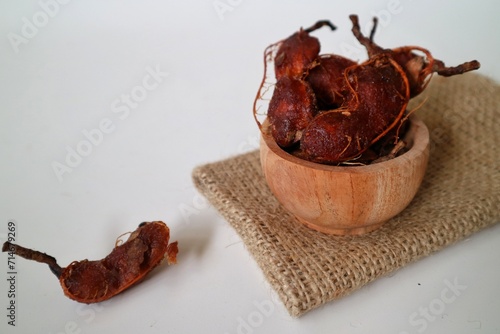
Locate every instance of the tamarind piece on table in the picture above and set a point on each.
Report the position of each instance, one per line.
(95, 281)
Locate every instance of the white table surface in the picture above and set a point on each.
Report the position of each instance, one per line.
(70, 67)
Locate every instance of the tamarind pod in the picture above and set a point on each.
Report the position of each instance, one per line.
(296, 52)
(291, 57)
(292, 107)
(94, 281)
(418, 68)
(326, 79)
(415, 67)
(375, 102)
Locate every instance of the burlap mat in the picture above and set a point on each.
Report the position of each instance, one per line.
(459, 196)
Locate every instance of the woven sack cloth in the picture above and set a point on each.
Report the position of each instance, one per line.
(460, 195)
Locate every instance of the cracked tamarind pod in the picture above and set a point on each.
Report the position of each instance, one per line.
(418, 68)
(375, 102)
(95, 281)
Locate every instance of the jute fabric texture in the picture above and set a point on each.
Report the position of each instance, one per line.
(460, 195)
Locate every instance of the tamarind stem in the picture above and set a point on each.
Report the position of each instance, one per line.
(374, 28)
(442, 70)
(320, 24)
(34, 255)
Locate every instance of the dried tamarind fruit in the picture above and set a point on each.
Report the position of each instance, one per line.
(375, 102)
(95, 281)
(293, 104)
(292, 107)
(326, 79)
(333, 110)
(296, 52)
(418, 68)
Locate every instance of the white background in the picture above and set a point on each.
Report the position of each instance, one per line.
(70, 74)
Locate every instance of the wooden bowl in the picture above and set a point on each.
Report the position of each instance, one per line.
(346, 200)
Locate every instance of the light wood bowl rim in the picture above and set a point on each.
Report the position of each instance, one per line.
(417, 136)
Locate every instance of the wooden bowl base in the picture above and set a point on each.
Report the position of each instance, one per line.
(341, 231)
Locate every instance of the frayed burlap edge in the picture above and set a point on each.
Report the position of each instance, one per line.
(460, 195)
